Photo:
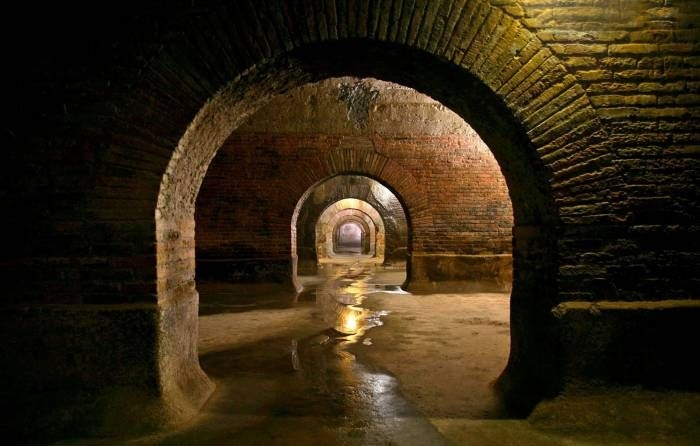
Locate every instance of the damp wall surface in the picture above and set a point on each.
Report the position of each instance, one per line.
(248, 197)
(112, 113)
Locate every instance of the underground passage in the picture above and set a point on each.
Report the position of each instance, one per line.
(348, 238)
(358, 223)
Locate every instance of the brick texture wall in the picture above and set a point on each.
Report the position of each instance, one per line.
(245, 206)
(606, 91)
(638, 63)
(591, 108)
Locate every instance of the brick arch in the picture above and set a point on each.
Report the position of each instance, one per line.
(337, 214)
(367, 232)
(305, 216)
(475, 58)
(489, 42)
(362, 159)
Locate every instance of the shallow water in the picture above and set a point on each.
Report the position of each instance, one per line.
(305, 387)
(313, 369)
(410, 370)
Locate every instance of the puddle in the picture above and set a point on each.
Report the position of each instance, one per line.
(339, 300)
(310, 389)
(313, 370)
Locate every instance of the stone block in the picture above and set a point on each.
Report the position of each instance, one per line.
(630, 343)
(465, 273)
(88, 370)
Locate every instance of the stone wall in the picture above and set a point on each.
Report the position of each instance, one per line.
(638, 63)
(253, 185)
(110, 122)
(356, 212)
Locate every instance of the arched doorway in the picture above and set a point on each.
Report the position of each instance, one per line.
(322, 207)
(353, 226)
(349, 237)
(534, 286)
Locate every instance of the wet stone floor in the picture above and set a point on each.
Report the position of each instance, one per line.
(311, 369)
(354, 360)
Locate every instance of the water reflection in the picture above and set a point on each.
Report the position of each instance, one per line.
(349, 319)
(285, 374)
(366, 404)
(339, 300)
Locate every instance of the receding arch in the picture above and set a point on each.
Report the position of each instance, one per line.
(512, 97)
(350, 210)
(393, 221)
(349, 237)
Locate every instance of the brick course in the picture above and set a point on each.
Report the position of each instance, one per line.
(246, 203)
(111, 125)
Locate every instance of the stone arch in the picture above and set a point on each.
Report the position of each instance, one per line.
(398, 230)
(361, 158)
(351, 210)
(517, 95)
(352, 225)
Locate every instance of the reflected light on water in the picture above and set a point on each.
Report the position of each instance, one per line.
(350, 322)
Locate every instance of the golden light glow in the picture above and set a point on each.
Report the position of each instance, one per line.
(350, 322)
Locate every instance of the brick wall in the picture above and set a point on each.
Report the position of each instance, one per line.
(590, 107)
(606, 91)
(249, 195)
(638, 63)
